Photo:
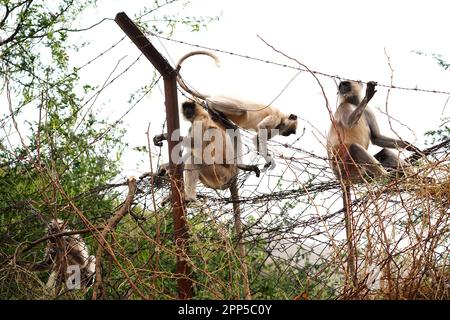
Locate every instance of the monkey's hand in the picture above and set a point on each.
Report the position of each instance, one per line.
(158, 139)
(370, 90)
(417, 153)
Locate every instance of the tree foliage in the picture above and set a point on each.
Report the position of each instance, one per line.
(56, 149)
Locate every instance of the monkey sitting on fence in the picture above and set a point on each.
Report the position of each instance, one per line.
(267, 121)
(213, 156)
(213, 152)
(354, 127)
(68, 258)
(351, 132)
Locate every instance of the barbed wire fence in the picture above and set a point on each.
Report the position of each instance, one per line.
(294, 231)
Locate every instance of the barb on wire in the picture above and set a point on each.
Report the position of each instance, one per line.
(244, 56)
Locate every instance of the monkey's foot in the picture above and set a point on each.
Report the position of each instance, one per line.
(256, 170)
(165, 201)
(270, 163)
(252, 168)
(163, 170)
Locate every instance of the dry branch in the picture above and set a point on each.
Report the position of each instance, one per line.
(99, 290)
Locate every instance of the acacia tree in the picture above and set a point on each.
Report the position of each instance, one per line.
(441, 133)
(53, 149)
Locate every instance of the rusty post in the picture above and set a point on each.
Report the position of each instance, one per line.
(173, 123)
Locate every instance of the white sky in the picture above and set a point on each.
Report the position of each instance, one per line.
(345, 38)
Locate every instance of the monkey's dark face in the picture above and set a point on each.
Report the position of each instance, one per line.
(288, 125)
(189, 110)
(345, 87)
(349, 89)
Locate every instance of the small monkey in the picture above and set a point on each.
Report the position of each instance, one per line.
(64, 252)
(265, 120)
(351, 132)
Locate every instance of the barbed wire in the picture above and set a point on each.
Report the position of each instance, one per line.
(292, 217)
(294, 221)
(283, 65)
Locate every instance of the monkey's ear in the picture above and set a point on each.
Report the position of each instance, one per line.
(292, 117)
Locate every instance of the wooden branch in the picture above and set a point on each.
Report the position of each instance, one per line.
(56, 235)
(99, 290)
(419, 154)
(19, 24)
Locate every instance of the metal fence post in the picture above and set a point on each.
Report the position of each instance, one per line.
(173, 123)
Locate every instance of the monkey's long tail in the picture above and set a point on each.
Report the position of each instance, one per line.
(180, 80)
(240, 246)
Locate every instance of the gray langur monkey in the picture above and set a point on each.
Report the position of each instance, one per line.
(214, 153)
(267, 121)
(64, 255)
(351, 132)
(354, 127)
(215, 161)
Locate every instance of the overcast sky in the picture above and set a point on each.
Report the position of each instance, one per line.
(349, 39)
(344, 38)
